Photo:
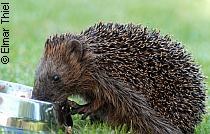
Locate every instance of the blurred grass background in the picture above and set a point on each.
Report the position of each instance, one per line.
(32, 21)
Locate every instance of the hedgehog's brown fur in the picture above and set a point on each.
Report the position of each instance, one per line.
(128, 74)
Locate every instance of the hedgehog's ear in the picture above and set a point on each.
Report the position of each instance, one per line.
(76, 48)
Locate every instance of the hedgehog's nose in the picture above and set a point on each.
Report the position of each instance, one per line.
(39, 95)
(33, 96)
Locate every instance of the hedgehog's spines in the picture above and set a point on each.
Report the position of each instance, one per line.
(155, 63)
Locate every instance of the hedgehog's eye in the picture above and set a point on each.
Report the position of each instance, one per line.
(56, 78)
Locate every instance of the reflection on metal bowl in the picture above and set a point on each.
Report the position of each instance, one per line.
(17, 113)
(26, 114)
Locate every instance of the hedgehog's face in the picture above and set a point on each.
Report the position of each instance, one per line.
(48, 81)
(60, 72)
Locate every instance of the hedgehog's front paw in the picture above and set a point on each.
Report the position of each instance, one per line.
(74, 106)
(87, 109)
(79, 109)
(82, 109)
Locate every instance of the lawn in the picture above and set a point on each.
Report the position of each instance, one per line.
(32, 21)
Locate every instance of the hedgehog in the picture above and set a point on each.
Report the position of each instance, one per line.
(127, 74)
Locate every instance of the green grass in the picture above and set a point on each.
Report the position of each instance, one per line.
(32, 21)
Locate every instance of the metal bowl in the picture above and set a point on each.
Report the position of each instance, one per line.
(24, 114)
